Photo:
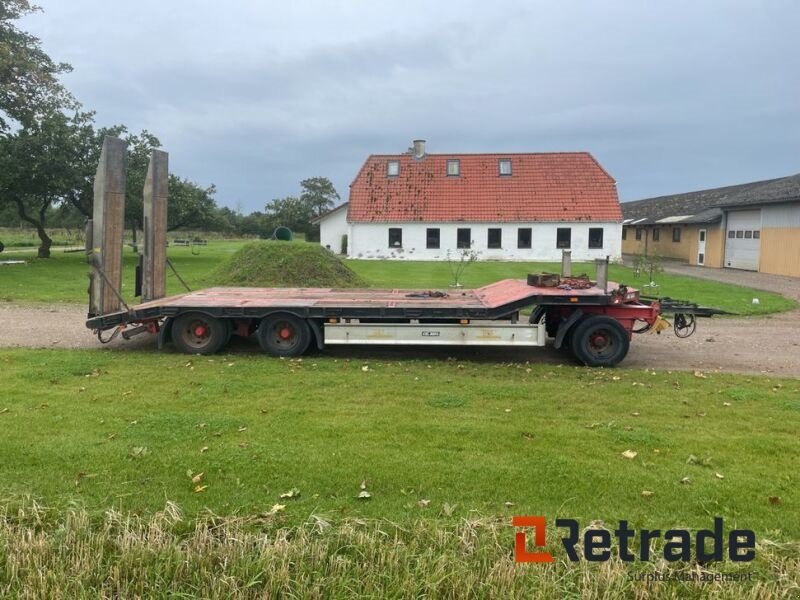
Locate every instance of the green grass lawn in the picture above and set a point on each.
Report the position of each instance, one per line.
(115, 429)
(100, 449)
(63, 278)
(265, 460)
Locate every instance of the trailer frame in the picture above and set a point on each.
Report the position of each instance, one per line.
(487, 316)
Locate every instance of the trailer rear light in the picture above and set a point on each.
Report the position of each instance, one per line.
(464, 321)
(573, 299)
(333, 320)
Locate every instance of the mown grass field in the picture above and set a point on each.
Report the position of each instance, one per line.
(448, 451)
(120, 430)
(130, 474)
(63, 278)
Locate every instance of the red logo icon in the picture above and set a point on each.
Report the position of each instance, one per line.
(521, 554)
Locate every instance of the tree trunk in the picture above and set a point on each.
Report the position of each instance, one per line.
(46, 242)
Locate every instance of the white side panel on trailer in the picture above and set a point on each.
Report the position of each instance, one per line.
(438, 334)
(743, 239)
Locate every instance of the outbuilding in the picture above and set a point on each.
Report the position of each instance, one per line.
(753, 226)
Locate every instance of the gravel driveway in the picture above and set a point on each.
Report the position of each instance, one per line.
(762, 345)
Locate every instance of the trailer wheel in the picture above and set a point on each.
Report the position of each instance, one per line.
(198, 333)
(600, 341)
(284, 335)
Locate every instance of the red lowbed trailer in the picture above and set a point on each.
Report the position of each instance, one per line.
(595, 321)
(596, 325)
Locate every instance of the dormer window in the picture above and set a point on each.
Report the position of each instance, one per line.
(505, 166)
(453, 167)
(393, 168)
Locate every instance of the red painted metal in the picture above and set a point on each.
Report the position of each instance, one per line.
(494, 295)
(243, 327)
(625, 314)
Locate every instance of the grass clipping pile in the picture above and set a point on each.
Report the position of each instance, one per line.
(285, 264)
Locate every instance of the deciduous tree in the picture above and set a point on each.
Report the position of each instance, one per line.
(318, 194)
(29, 86)
(291, 212)
(40, 164)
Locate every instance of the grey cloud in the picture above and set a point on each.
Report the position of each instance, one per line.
(255, 97)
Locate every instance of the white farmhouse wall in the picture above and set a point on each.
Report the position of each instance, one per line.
(371, 240)
(331, 230)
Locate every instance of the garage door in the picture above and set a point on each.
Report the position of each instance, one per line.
(743, 239)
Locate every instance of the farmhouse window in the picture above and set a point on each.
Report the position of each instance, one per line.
(638, 234)
(564, 237)
(595, 237)
(494, 238)
(504, 166)
(464, 237)
(524, 237)
(624, 233)
(453, 167)
(676, 234)
(393, 168)
(432, 237)
(656, 234)
(395, 237)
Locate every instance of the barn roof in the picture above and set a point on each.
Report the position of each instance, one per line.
(705, 206)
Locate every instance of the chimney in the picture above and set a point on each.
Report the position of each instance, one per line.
(419, 148)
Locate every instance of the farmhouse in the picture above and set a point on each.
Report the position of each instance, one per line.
(531, 206)
(753, 226)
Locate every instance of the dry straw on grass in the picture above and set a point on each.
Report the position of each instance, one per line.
(46, 553)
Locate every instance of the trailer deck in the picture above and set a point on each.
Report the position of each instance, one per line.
(493, 301)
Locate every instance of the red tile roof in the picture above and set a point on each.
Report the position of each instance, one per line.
(569, 186)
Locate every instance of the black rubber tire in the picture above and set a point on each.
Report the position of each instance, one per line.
(187, 338)
(284, 334)
(599, 341)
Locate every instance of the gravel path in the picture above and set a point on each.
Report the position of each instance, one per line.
(761, 345)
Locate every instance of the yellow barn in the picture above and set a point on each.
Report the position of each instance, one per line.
(752, 226)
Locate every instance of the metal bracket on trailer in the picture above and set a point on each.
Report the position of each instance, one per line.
(164, 332)
(670, 306)
(565, 326)
(317, 331)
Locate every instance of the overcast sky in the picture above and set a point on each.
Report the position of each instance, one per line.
(255, 96)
